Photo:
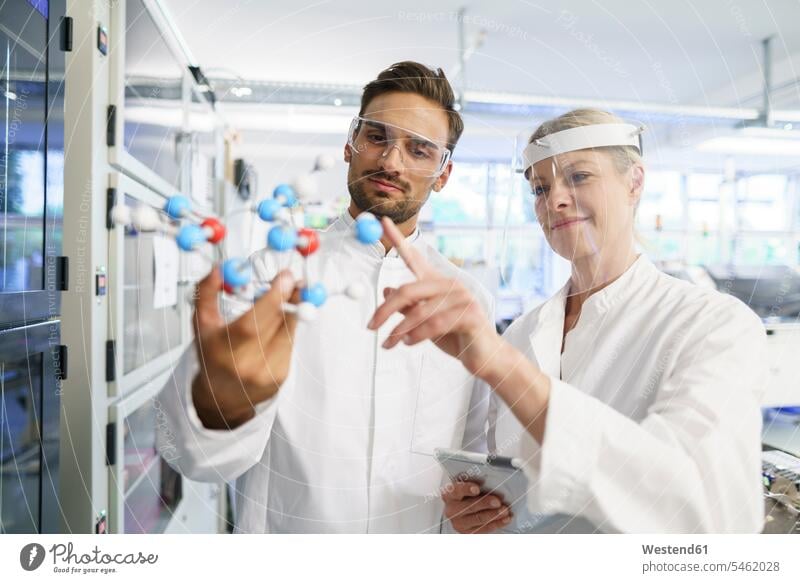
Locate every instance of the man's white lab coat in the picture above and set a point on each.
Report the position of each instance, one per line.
(346, 444)
(656, 425)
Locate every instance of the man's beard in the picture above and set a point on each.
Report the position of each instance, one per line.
(399, 210)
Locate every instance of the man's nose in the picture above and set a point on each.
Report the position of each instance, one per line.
(392, 159)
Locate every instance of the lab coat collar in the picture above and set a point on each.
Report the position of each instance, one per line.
(546, 335)
(624, 287)
(377, 250)
(549, 326)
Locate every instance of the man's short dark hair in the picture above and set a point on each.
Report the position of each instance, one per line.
(411, 77)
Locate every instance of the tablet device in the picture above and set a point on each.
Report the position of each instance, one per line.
(498, 475)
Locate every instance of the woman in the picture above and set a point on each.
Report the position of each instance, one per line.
(631, 396)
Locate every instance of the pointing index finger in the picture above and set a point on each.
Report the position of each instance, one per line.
(413, 258)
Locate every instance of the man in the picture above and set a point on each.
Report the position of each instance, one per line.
(329, 432)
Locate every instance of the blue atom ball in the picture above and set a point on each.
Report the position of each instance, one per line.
(281, 238)
(267, 209)
(236, 272)
(177, 206)
(315, 295)
(368, 231)
(288, 194)
(190, 237)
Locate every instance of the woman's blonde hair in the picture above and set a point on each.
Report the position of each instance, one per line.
(624, 156)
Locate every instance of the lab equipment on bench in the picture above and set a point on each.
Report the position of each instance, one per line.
(780, 472)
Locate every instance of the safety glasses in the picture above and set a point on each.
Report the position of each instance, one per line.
(419, 155)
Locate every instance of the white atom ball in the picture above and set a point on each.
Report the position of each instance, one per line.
(283, 215)
(307, 312)
(305, 187)
(145, 218)
(355, 290)
(121, 214)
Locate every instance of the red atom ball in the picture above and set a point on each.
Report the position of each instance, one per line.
(217, 229)
(228, 289)
(312, 242)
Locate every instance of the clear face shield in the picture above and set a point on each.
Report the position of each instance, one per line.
(420, 156)
(552, 269)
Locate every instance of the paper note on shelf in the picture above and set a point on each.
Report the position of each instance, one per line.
(166, 266)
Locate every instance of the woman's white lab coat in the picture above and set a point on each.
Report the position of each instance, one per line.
(653, 423)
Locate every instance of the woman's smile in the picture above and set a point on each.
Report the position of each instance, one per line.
(566, 223)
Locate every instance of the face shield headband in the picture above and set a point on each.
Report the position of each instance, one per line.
(581, 138)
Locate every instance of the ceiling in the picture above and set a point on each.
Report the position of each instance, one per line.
(705, 52)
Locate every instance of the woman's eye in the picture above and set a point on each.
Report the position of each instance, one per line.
(538, 191)
(578, 177)
(375, 137)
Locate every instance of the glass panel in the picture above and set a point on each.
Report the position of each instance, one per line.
(762, 216)
(661, 203)
(520, 253)
(703, 186)
(522, 258)
(153, 87)
(20, 446)
(704, 215)
(22, 161)
(460, 247)
(152, 489)
(148, 332)
(703, 192)
(512, 203)
(662, 246)
(702, 250)
(463, 200)
(766, 187)
(761, 250)
(139, 444)
(762, 203)
(154, 498)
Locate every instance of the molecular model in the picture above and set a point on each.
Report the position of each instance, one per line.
(193, 230)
